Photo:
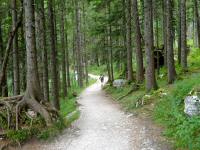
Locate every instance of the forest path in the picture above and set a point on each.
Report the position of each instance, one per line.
(104, 126)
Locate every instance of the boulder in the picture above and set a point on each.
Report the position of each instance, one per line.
(192, 105)
(119, 83)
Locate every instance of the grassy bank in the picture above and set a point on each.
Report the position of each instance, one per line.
(166, 107)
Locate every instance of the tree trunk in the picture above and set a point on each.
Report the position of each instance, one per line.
(84, 47)
(196, 6)
(110, 46)
(33, 94)
(58, 64)
(64, 80)
(67, 60)
(78, 44)
(148, 36)
(183, 36)
(124, 52)
(38, 38)
(54, 86)
(23, 58)
(1, 53)
(4, 87)
(128, 41)
(15, 51)
(164, 32)
(138, 45)
(43, 45)
(179, 32)
(107, 56)
(170, 48)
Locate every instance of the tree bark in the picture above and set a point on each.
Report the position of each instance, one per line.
(110, 46)
(23, 58)
(4, 87)
(128, 41)
(15, 51)
(78, 44)
(54, 86)
(1, 53)
(170, 48)
(164, 32)
(124, 38)
(196, 6)
(179, 32)
(84, 47)
(43, 47)
(67, 60)
(183, 36)
(38, 45)
(64, 80)
(138, 45)
(148, 36)
(33, 94)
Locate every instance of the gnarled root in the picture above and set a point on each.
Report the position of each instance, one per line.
(12, 106)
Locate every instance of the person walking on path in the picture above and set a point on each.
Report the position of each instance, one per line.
(101, 78)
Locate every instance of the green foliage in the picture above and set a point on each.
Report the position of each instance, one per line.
(19, 135)
(52, 131)
(169, 112)
(97, 70)
(67, 106)
(3, 121)
(194, 58)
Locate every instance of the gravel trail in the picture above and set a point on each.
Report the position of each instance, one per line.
(104, 126)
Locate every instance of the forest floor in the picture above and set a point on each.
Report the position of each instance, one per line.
(103, 125)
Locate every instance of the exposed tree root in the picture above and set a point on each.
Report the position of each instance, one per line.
(11, 109)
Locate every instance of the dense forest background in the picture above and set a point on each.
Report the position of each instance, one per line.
(48, 48)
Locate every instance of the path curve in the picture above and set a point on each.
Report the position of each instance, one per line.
(104, 126)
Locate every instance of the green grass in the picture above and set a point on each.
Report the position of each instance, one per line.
(67, 106)
(128, 102)
(169, 111)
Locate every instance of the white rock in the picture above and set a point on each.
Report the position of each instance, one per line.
(192, 105)
(31, 113)
(119, 83)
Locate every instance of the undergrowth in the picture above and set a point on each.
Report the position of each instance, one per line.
(169, 111)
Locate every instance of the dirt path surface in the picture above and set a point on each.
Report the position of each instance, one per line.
(104, 126)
